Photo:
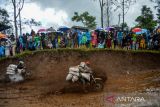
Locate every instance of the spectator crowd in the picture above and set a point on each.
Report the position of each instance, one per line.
(77, 38)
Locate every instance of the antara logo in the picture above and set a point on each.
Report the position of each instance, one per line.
(111, 99)
(114, 99)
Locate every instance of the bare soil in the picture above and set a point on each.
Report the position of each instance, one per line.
(123, 72)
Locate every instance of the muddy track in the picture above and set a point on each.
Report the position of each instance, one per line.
(124, 72)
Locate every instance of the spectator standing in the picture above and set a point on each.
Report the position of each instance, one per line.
(2, 51)
(142, 43)
(94, 39)
(88, 35)
(109, 42)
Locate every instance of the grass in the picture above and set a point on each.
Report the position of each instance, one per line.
(80, 50)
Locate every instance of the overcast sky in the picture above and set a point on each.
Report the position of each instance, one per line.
(59, 12)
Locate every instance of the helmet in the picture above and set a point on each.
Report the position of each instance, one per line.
(87, 63)
(21, 62)
(82, 64)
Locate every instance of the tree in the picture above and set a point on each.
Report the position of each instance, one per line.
(124, 25)
(108, 11)
(4, 17)
(158, 16)
(102, 4)
(124, 5)
(158, 9)
(86, 19)
(17, 6)
(4, 21)
(146, 20)
(156, 1)
(32, 22)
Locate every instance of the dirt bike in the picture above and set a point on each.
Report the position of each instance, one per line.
(16, 75)
(86, 80)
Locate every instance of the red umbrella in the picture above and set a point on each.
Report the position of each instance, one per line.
(136, 30)
(41, 30)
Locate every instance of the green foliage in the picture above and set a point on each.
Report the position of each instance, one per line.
(146, 20)
(158, 16)
(84, 52)
(87, 20)
(158, 9)
(125, 26)
(33, 22)
(4, 17)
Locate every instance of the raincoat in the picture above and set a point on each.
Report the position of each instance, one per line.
(84, 38)
(2, 51)
(142, 43)
(79, 38)
(21, 42)
(109, 42)
(36, 41)
(94, 39)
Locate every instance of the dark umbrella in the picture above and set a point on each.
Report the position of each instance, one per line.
(80, 28)
(50, 30)
(110, 28)
(63, 29)
(99, 29)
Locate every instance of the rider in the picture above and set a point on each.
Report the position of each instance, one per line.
(20, 65)
(84, 68)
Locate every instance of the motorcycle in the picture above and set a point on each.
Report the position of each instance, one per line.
(85, 79)
(15, 75)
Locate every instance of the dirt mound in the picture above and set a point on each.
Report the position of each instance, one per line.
(124, 71)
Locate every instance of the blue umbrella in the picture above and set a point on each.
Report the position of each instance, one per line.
(63, 29)
(99, 29)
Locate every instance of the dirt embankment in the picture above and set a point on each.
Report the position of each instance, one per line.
(125, 71)
(49, 69)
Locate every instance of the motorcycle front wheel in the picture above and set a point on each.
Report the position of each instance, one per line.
(98, 86)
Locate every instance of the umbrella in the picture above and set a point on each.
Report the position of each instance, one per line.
(109, 28)
(58, 33)
(99, 29)
(50, 30)
(63, 29)
(79, 28)
(136, 30)
(142, 31)
(2, 36)
(41, 30)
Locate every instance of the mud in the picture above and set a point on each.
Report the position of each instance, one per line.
(123, 72)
